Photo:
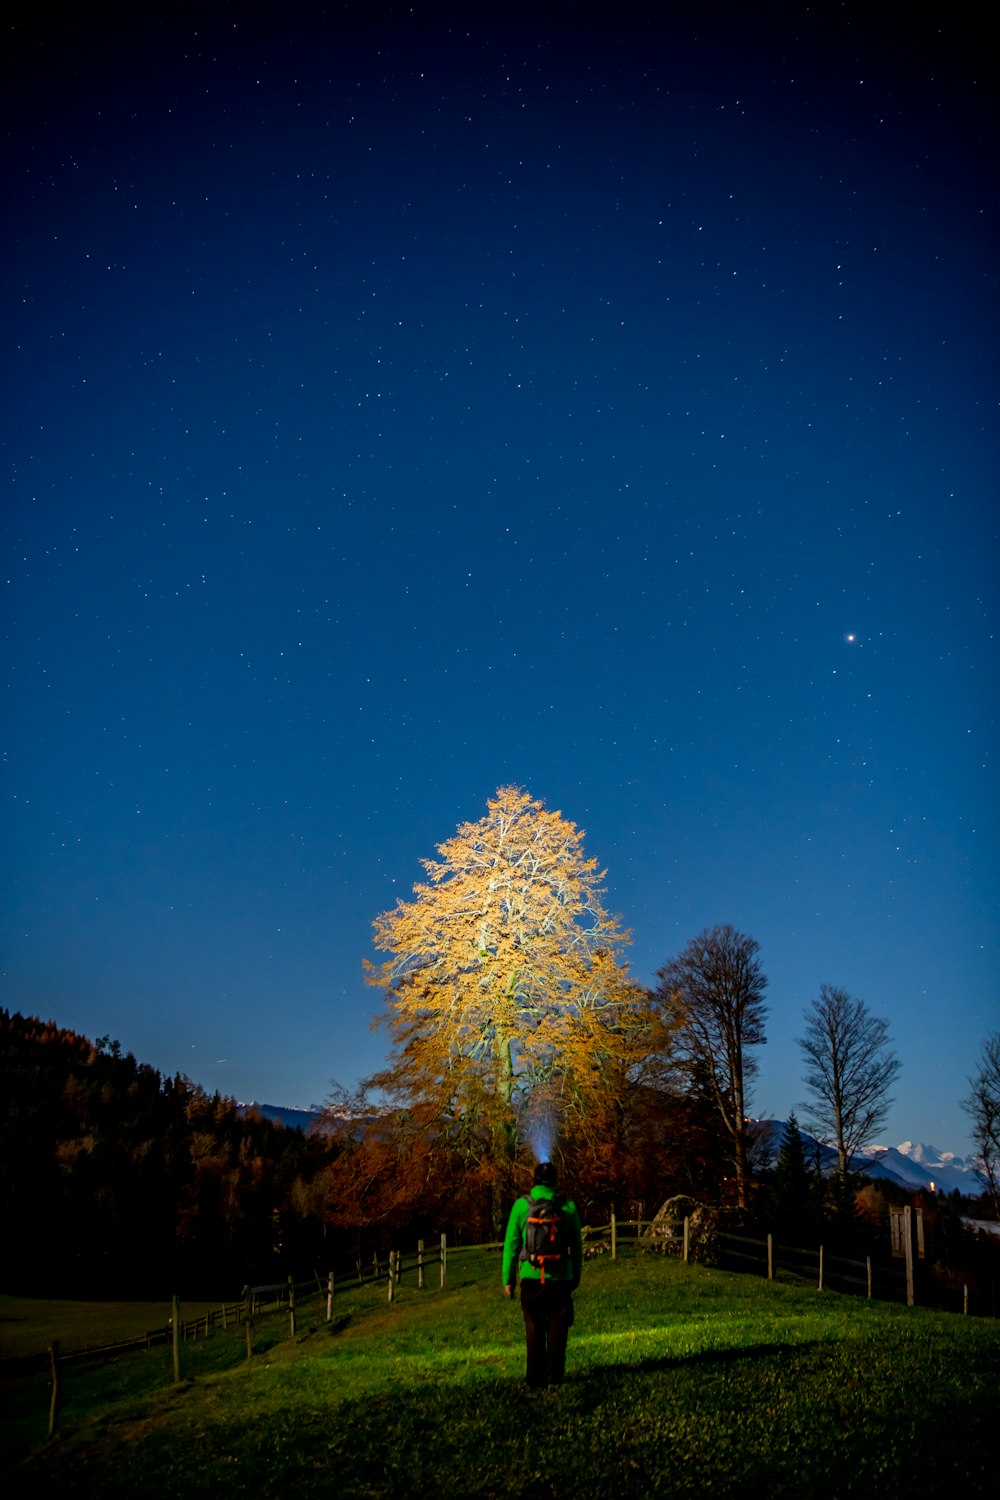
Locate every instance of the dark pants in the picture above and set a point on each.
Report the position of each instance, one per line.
(548, 1317)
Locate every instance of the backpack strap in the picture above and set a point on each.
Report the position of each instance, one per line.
(556, 1202)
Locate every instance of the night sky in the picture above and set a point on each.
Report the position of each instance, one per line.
(404, 402)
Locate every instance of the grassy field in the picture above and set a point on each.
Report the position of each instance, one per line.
(28, 1326)
(682, 1381)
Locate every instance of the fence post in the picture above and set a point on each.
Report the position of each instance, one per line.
(291, 1306)
(249, 1328)
(392, 1275)
(329, 1296)
(444, 1257)
(420, 1264)
(54, 1405)
(614, 1237)
(177, 1340)
(965, 1297)
(821, 1268)
(868, 1261)
(687, 1239)
(770, 1257)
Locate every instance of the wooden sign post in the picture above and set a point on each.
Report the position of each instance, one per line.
(906, 1230)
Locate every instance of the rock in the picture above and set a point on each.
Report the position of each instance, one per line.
(666, 1232)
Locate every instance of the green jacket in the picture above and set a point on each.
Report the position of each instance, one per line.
(514, 1242)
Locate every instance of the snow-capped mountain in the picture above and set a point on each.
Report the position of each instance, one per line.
(294, 1119)
(916, 1165)
(910, 1164)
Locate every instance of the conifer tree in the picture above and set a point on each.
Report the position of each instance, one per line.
(796, 1187)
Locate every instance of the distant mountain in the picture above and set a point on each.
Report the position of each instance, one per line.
(918, 1166)
(294, 1119)
(910, 1165)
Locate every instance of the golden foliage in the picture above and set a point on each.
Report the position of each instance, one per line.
(505, 989)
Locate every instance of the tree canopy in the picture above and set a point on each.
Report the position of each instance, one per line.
(507, 997)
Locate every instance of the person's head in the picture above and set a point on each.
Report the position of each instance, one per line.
(545, 1175)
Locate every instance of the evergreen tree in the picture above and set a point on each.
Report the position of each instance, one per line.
(117, 1181)
(796, 1191)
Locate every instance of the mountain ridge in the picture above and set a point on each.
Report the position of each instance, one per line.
(911, 1164)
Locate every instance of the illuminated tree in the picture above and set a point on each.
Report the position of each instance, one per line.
(714, 991)
(983, 1106)
(506, 995)
(849, 1071)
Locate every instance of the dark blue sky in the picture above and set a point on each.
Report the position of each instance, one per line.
(399, 405)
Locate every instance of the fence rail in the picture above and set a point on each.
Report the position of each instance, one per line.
(872, 1277)
(755, 1255)
(869, 1277)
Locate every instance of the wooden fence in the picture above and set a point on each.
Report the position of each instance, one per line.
(428, 1265)
(872, 1278)
(887, 1279)
(816, 1265)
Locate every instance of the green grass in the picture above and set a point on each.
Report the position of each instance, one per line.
(28, 1326)
(681, 1382)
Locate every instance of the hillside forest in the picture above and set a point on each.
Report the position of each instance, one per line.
(118, 1181)
(515, 1033)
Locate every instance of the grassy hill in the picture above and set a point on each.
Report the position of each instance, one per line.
(682, 1381)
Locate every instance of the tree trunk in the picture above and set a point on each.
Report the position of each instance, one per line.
(504, 1139)
(739, 1134)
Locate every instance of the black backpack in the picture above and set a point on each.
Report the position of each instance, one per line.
(545, 1235)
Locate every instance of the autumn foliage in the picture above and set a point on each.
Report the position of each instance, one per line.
(509, 1010)
(116, 1180)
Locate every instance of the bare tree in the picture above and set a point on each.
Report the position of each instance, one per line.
(714, 992)
(849, 1071)
(983, 1106)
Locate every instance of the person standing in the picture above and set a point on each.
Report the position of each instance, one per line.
(544, 1241)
